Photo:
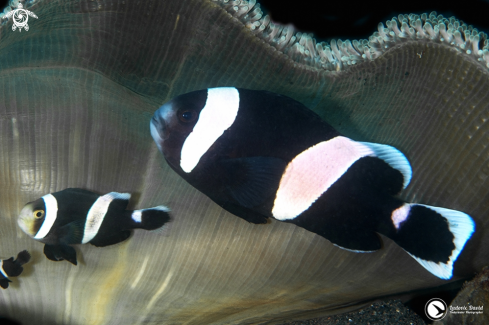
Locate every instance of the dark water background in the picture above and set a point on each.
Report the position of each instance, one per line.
(359, 19)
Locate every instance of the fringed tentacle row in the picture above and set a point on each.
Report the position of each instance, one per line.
(338, 55)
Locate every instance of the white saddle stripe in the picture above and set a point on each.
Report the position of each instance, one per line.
(218, 114)
(51, 205)
(312, 172)
(97, 213)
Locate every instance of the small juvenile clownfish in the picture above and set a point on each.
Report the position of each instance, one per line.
(262, 155)
(77, 216)
(11, 267)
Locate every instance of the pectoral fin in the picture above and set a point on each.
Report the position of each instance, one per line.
(250, 181)
(72, 233)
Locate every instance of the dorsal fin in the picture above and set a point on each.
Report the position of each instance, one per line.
(394, 158)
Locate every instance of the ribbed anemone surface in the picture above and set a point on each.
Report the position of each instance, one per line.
(77, 92)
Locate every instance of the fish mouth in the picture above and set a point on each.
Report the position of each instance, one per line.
(157, 128)
(154, 122)
(25, 221)
(158, 124)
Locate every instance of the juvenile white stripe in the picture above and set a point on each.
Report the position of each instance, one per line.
(218, 114)
(136, 215)
(400, 214)
(50, 215)
(312, 172)
(3, 271)
(97, 213)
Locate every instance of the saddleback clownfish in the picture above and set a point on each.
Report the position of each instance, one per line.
(77, 216)
(259, 154)
(11, 267)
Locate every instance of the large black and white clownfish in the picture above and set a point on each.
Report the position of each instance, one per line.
(11, 267)
(259, 155)
(77, 216)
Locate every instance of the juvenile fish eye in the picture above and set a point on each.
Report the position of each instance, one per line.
(38, 214)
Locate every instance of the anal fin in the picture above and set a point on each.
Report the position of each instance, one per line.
(242, 212)
(102, 241)
(60, 252)
(340, 217)
(358, 242)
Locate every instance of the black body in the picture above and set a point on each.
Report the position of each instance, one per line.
(68, 229)
(13, 267)
(241, 172)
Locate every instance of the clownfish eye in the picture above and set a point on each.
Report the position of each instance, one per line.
(38, 214)
(187, 116)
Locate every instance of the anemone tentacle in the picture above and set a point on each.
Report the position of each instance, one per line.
(339, 55)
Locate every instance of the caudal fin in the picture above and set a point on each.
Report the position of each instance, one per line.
(14, 268)
(23, 257)
(432, 236)
(152, 218)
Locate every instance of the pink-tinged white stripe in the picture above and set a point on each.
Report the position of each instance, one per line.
(312, 172)
(97, 213)
(400, 215)
(51, 213)
(217, 116)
